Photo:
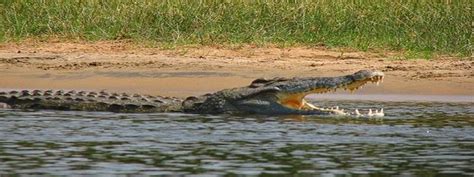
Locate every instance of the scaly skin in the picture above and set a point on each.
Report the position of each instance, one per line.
(262, 96)
(89, 101)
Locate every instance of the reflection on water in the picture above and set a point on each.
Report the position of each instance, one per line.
(426, 139)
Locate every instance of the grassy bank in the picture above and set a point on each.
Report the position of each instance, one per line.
(423, 26)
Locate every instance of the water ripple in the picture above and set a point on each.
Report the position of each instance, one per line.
(415, 138)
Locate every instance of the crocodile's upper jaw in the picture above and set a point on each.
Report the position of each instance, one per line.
(295, 99)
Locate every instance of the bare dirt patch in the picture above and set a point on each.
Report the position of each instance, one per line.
(188, 70)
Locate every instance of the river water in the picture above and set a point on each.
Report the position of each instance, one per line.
(413, 139)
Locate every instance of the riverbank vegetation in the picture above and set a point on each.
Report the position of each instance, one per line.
(423, 26)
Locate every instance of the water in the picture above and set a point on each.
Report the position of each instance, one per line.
(415, 138)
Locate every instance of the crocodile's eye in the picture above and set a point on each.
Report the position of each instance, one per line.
(191, 101)
(191, 98)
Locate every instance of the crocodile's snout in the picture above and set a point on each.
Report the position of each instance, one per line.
(367, 74)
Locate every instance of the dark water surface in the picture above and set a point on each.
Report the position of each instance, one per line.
(415, 138)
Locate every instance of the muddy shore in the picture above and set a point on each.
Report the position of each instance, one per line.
(125, 67)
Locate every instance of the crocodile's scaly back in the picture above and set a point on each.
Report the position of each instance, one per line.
(88, 101)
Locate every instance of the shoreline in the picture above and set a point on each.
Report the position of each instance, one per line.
(395, 98)
(124, 67)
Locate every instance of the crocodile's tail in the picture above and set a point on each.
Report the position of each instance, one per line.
(88, 101)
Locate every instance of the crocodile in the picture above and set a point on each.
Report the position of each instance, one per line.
(277, 96)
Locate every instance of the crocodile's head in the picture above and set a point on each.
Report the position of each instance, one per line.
(281, 95)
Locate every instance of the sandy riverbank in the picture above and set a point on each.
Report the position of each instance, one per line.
(121, 66)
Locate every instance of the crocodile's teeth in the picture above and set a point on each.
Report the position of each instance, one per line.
(357, 112)
(379, 113)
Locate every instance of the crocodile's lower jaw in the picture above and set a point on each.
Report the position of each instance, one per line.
(297, 101)
(336, 111)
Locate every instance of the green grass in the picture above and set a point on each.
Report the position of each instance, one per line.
(423, 26)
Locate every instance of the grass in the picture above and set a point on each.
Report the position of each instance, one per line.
(419, 26)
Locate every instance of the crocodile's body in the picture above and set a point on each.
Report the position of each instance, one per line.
(274, 96)
(89, 101)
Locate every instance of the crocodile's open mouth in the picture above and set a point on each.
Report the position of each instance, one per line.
(296, 100)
